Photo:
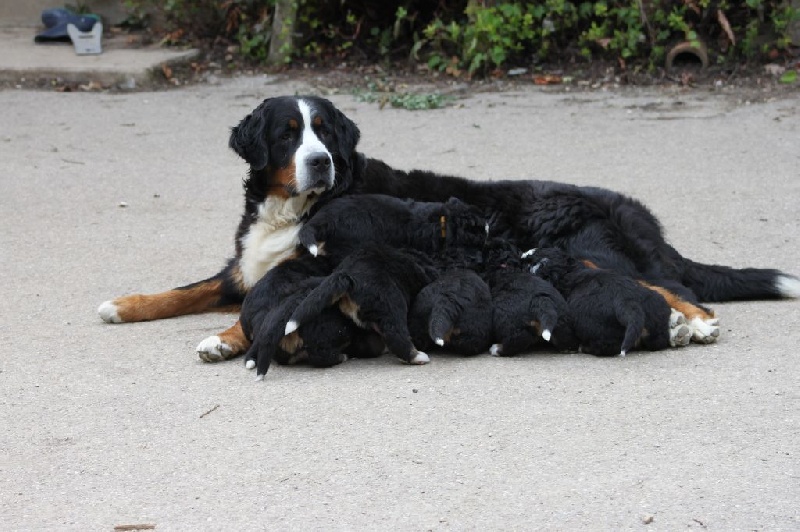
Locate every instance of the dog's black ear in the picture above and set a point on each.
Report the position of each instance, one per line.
(248, 139)
(347, 135)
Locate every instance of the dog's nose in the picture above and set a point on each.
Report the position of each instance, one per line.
(319, 161)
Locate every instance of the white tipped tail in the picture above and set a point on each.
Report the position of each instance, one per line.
(439, 342)
(291, 327)
(788, 286)
(108, 312)
(546, 334)
(313, 249)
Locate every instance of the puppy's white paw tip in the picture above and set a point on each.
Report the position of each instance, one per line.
(213, 349)
(788, 286)
(259, 378)
(439, 342)
(496, 349)
(420, 358)
(108, 312)
(250, 364)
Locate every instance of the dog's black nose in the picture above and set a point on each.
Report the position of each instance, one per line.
(319, 161)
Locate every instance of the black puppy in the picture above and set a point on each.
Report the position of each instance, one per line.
(455, 309)
(347, 223)
(374, 286)
(321, 342)
(525, 308)
(612, 313)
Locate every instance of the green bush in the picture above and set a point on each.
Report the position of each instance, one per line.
(476, 37)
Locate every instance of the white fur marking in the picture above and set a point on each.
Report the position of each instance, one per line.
(546, 334)
(108, 312)
(272, 237)
(250, 364)
(702, 332)
(259, 378)
(439, 342)
(496, 350)
(213, 349)
(622, 353)
(291, 326)
(788, 286)
(309, 144)
(313, 249)
(420, 358)
(529, 253)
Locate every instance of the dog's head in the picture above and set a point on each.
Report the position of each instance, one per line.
(463, 225)
(297, 145)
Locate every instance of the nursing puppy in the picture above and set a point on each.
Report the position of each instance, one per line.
(612, 313)
(320, 342)
(454, 310)
(525, 308)
(374, 286)
(347, 223)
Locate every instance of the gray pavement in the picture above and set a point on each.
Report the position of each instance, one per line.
(106, 425)
(119, 64)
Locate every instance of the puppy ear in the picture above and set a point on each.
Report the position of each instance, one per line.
(347, 135)
(248, 139)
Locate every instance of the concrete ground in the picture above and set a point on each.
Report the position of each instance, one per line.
(106, 425)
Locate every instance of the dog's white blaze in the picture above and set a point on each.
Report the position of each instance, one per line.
(309, 144)
(788, 286)
(272, 237)
(108, 312)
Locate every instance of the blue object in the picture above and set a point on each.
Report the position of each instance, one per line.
(56, 20)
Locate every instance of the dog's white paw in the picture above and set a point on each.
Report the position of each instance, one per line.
(704, 332)
(496, 350)
(213, 349)
(420, 358)
(108, 312)
(439, 342)
(680, 334)
(250, 364)
(676, 318)
(788, 286)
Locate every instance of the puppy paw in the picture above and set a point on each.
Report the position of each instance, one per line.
(680, 335)
(704, 331)
(419, 358)
(213, 349)
(496, 350)
(250, 364)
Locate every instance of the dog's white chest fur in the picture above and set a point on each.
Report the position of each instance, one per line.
(272, 237)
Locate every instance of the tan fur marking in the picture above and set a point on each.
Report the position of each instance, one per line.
(293, 123)
(681, 305)
(235, 338)
(291, 343)
(589, 264)
(317, 121)
(146, 307)
(283, 179)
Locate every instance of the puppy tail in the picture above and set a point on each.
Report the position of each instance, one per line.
(441, 323)
(548, 318)
(329, 292)
(711, 282)
(632, 317)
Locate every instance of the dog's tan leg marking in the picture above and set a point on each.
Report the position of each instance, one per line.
(225, 345)
(176, 302)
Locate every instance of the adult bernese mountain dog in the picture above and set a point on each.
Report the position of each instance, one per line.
(301, 151)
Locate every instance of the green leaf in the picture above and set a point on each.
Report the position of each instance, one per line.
(790, 76)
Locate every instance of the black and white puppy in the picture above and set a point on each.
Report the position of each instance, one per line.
(453, 311)
(321, 342)
(612, 313)
(374, 286)
(525, 308)
(349, 222)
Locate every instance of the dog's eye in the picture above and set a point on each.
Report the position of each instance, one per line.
(286, 136)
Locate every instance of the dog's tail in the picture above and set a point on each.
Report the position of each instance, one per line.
(330, 291)
(442, 321)
(632, 317)
(547, 316)
(722, 283)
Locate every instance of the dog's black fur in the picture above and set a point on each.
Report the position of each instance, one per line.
(453, 311)
(375, 286)
(524, 307)
(611, 230)
(321, 341)
(612, 313)
(349, 222)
